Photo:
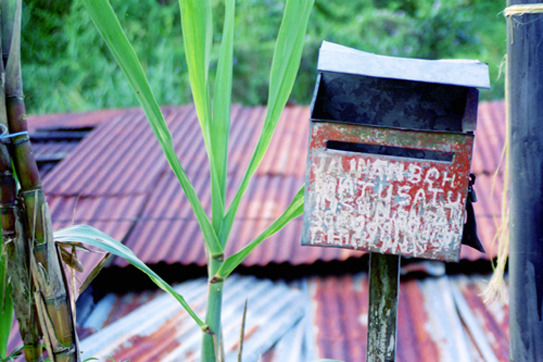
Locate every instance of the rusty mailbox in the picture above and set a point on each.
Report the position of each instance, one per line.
(390, 152)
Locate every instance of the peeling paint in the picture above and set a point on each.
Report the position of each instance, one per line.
(400, 205)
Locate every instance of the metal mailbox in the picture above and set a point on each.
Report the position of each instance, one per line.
(390, 152)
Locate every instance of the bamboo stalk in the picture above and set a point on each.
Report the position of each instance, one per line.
(15, 246)
(54, 309)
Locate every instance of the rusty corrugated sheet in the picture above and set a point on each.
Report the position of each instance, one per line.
(431, 326)
(439, 319)
(489, 138)
(170, 335)
(154, 209)
(75, 120)
(120, 158)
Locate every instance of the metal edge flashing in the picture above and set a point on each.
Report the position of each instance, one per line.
(459, 72)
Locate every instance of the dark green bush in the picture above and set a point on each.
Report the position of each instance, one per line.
(67, 68)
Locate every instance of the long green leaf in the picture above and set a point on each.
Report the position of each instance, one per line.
(294, 210)
(196, 22)
(6, 306)
(285, 64)
(94, 237)
(109, 28)
(222, 99)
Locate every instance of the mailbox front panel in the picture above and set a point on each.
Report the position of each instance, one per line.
(386, 190)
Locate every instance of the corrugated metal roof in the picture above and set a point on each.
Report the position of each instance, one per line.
(431, 323)
(489, 138)
(74, 120)
(131, 194)
(439, 319)
(117, 177)
(170, 335)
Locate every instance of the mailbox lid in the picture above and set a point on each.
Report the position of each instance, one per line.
(356, 87)
(341, 59)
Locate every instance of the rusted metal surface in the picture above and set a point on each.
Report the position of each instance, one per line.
(338, 304)
(330, 320)
(490, 138)
(74, 120)
(171, 336)
(156, 209)
(427, 312)
(389, 154)
(384, 102)
(410, 206)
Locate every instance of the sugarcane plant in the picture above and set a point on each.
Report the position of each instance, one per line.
(213, 104)
(33, 283)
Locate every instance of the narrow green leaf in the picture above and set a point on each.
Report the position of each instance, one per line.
(196, 22)
(109, 28)
(294, 210)
(94, 237)
(242, 331)
(222, 99)
(285, 64)
(6, 306)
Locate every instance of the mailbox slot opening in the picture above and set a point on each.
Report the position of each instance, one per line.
(357, 99)
(401, 152)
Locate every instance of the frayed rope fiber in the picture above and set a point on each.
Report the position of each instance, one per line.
(521, 9)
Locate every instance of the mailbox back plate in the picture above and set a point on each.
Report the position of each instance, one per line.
(409, 206)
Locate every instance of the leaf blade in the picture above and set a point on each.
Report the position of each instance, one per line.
(294, 210)
(285, 64)
(110, 29)
(6, 306)
(222, 100)
(196, 23)
(94, 237)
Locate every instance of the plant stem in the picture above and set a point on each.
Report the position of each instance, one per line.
(55, 318)
(212, 342)
(15, 246)
(47, 287)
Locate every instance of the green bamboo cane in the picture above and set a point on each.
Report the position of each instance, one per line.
(15, 246)
(51, 297)
(16, 252)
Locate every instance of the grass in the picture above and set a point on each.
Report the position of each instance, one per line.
(68, 60)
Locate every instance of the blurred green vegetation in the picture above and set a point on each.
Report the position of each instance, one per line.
(66, 66)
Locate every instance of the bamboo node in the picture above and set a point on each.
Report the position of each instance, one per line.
(32, 191)
(521, 9)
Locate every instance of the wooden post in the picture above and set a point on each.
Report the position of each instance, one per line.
(525, 112)
(384, 282)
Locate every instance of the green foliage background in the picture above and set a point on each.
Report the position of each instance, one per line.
(67, 67)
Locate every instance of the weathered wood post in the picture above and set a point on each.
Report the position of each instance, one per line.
(384, 282)
(388, 166)
(525, 112)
